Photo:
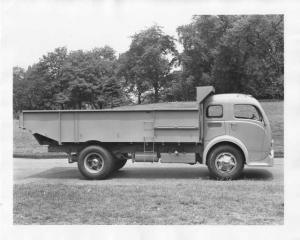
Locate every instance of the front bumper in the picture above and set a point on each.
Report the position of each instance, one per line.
(267, 162)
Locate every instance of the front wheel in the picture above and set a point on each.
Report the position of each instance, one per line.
(95, 162)
(225, 162)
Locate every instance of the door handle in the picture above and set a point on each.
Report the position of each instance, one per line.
(214, 124)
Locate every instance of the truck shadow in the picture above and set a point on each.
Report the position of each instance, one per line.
(186, 173)
(256, 174)
(152, 173)
(161, 173)
(58, 173)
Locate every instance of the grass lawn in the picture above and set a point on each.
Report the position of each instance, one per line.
(206, 202)
(24, 142)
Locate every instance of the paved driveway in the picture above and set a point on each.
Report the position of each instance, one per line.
(56, 171)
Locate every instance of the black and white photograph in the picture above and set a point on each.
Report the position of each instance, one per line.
(129, 117)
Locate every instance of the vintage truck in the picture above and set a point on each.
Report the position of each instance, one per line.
(223, 131)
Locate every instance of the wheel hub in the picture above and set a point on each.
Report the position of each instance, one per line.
(93, 163)
(225, 162)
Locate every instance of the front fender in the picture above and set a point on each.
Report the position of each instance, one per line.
(228, 139)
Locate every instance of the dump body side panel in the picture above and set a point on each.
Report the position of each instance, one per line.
(45, 123)
(114, 126)
(177, 126)
(180, 125)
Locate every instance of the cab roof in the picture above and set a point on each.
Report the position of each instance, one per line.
(233, 98)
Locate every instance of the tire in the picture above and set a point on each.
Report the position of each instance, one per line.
(225, 162)
(95, 162)
(119, 163)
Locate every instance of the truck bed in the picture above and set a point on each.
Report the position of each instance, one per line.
(144, 123)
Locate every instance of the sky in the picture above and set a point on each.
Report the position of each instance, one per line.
(31, 28)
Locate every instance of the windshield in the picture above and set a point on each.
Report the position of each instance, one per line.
(247, 111)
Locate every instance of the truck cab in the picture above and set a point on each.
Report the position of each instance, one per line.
(237, 120)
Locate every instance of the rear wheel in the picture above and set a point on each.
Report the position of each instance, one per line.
(95, 162)
(225, 162)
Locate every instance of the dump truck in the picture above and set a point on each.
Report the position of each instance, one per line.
(225, 132)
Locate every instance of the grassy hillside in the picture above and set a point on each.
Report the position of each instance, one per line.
(274, 110)
(24, 142)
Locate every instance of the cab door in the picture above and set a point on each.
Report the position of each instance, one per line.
(247, 125)
(214, 124)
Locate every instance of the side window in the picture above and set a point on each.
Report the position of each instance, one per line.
(214, 111)
(246, 111)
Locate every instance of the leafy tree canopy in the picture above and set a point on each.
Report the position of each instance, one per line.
(147, 63)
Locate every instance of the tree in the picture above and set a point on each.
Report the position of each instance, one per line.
(18, 74)
(178, 88)
(112, 93)
(249, 58)
(234, 53)
(200, 40)
(109, 93)
(50, 72)
(79, 79)
(147, 63)
(131, 71)
(35, 88)
(19, 99)
(90, 77)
